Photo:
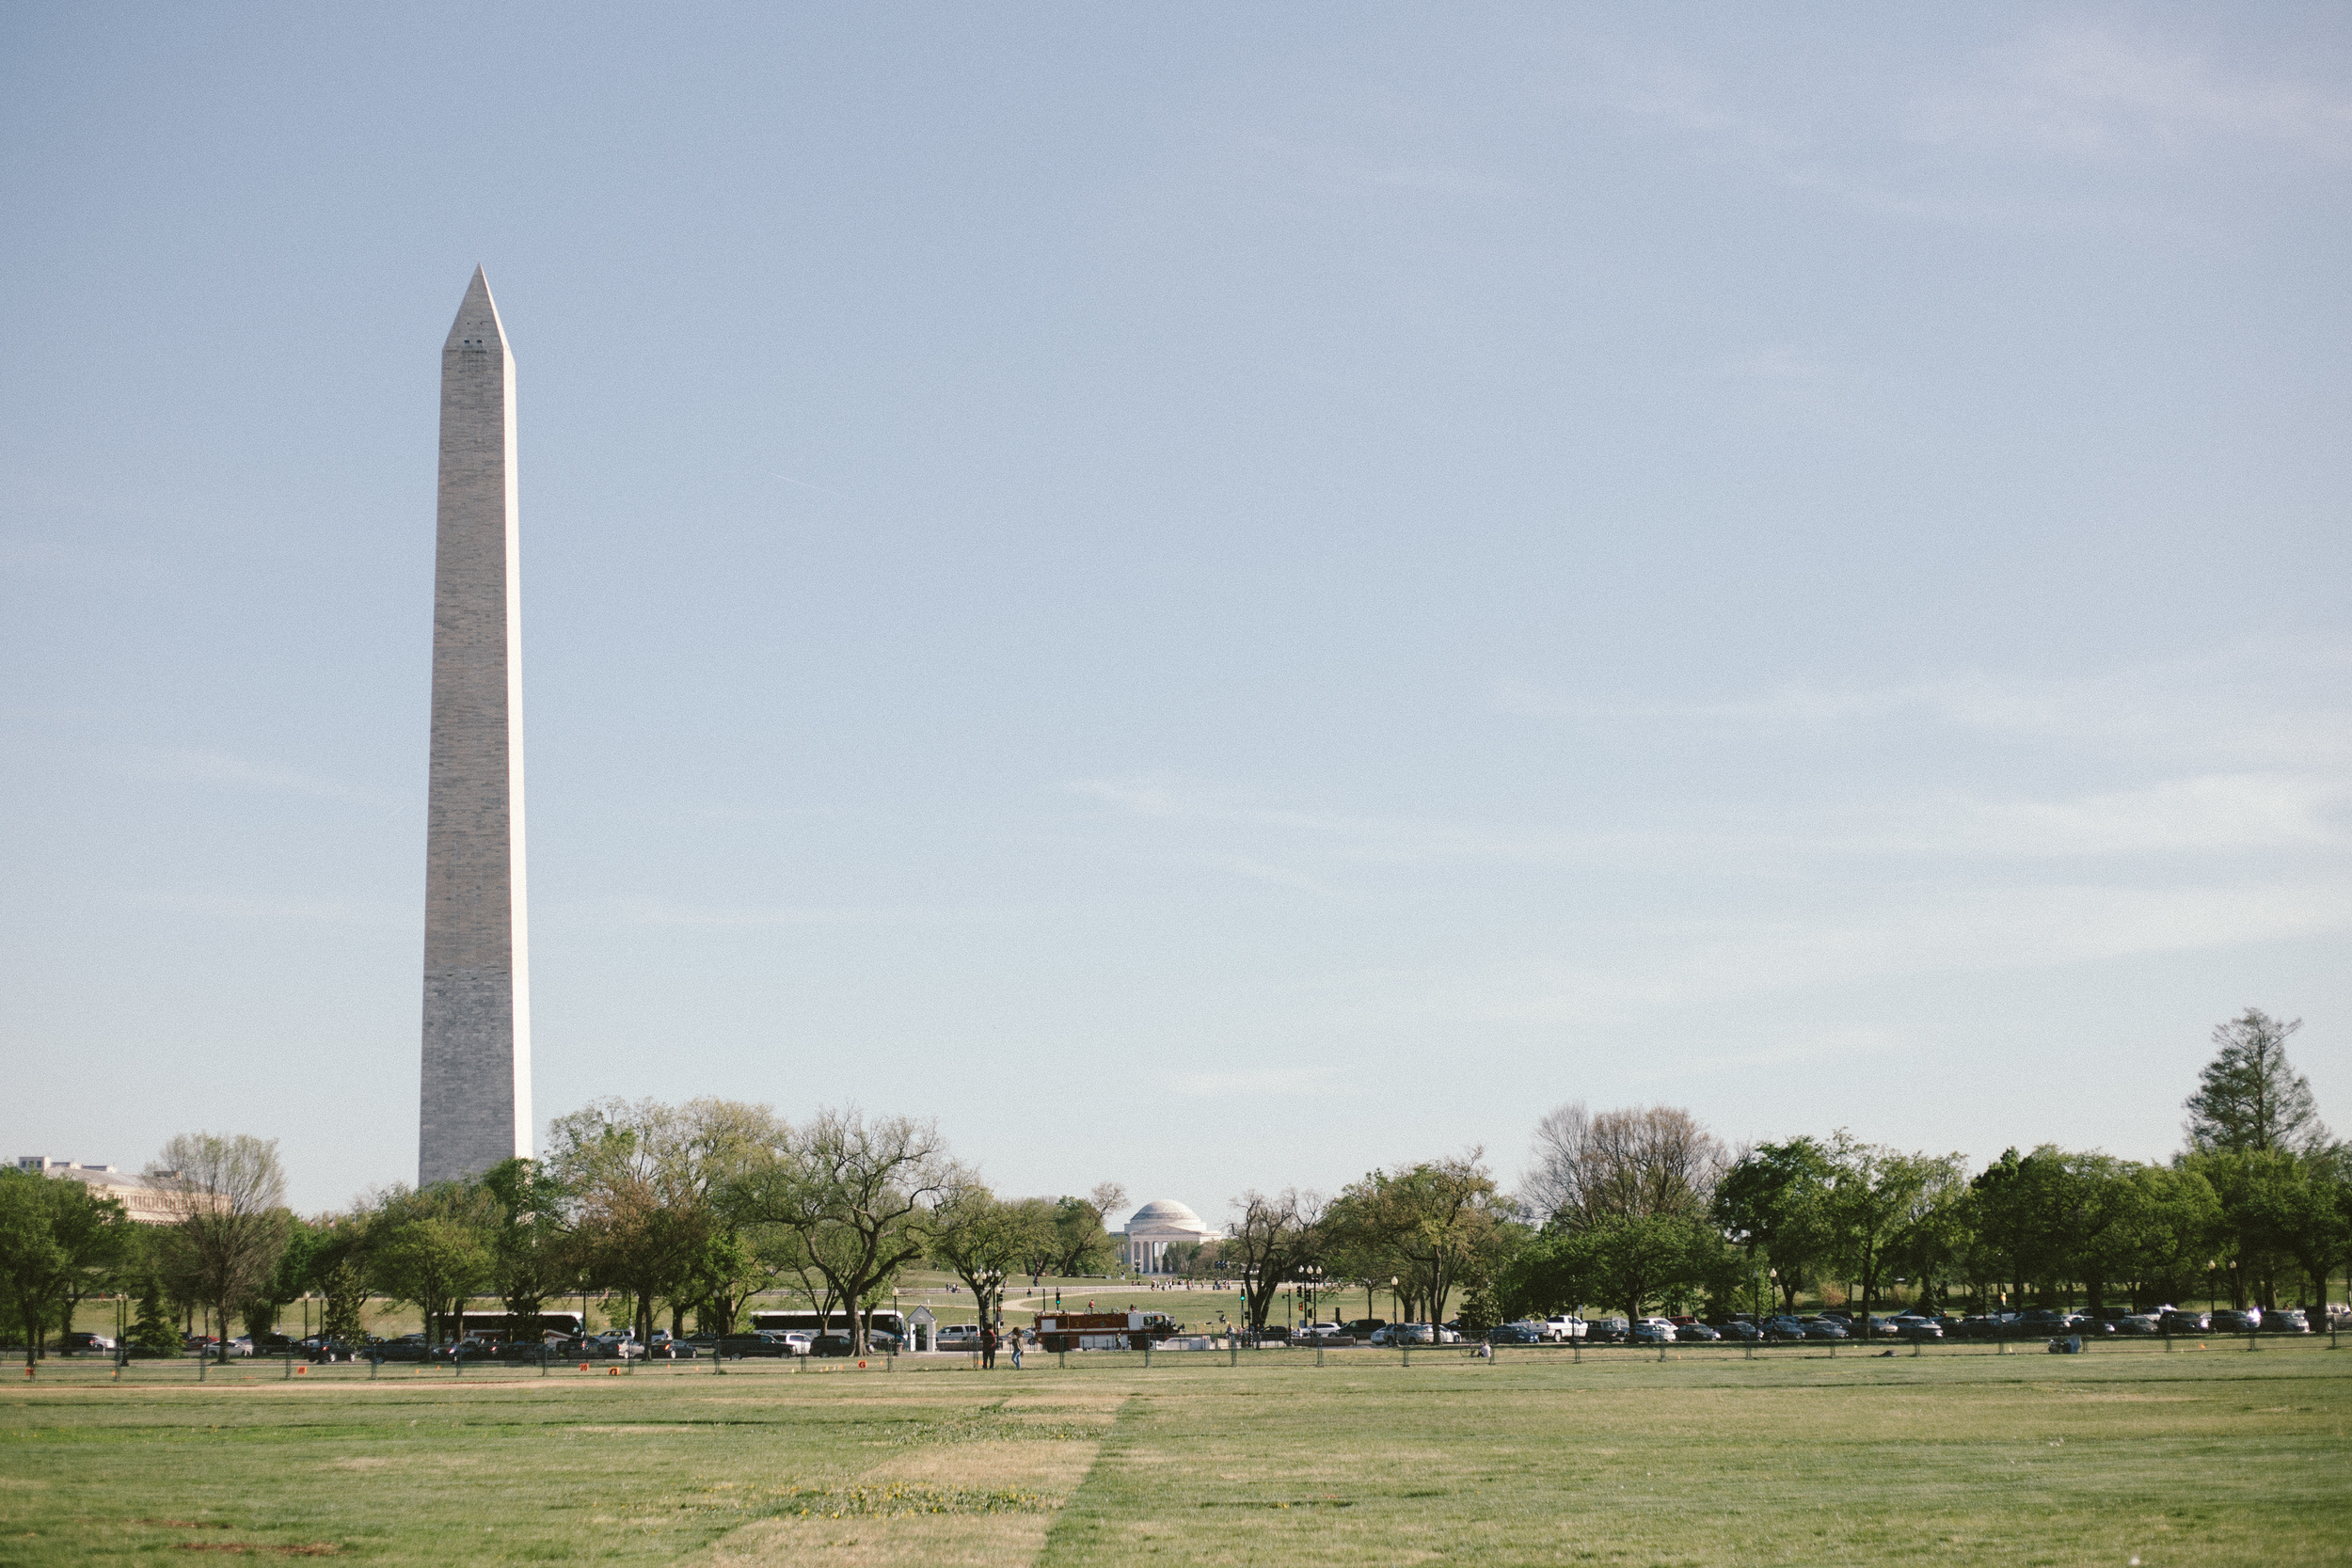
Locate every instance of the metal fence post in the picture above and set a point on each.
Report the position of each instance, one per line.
(1408, 1347)
(1061, 1361)
(1147, 1351)
(289, 1377)
(1318, 1353)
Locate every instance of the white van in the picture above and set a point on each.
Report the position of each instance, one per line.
(1563, 1326)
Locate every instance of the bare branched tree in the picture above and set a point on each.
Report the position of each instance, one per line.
(1270, 1240)
(1643, 1163)
(226, 1197)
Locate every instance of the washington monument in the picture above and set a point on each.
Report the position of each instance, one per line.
(477, 973)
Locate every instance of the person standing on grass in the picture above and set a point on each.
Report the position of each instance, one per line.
(1016, 1349)
(988, 1347)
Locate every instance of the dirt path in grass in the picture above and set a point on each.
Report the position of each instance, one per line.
(982, 1490)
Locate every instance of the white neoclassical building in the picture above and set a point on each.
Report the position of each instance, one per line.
(1156, 1226)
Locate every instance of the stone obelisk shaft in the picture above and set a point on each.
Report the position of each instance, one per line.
(477, 984)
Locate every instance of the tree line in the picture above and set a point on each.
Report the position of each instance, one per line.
(1642, 1208)
(675, 1209)
(664, 1211)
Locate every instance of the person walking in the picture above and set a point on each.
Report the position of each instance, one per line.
(1016, 1349)
(988, 1347)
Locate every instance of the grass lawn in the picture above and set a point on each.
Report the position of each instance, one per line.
(1960, 1456)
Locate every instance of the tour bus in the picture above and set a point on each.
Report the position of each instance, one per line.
(884, 1322)
(506, 1327)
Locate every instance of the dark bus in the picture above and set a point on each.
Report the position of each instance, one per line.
(505, 1327)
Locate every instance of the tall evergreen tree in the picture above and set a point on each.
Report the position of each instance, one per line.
(2249, 1099)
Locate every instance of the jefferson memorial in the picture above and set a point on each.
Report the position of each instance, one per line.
(1158, 1225)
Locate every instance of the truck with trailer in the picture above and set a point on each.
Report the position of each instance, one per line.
(1059, 1331)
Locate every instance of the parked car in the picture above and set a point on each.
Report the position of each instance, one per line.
(1563, 1326)
(84, 1344)
(408, 1347)
(1920, 1330)
(2285, 1320)
(1653, 1331)
(1514, 1334)
(1698, 1331)
(735, 1346)
(2140, 1322)
(832, 1344)
(2233, 1320)
(2181, 1321)
(1826, 1328)
(1739, 1328)
(1362, 1329)
(1612, 1330)
(1784, 1328)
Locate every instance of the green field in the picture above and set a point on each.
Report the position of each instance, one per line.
(1958, 1456)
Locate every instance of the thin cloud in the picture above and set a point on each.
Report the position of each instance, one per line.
(222, 767)
(1636, 970)
(744, 917)
(2256, 704)
(2196, 815)
(2090, 92)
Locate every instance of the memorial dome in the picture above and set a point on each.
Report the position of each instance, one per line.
(1165, 1214)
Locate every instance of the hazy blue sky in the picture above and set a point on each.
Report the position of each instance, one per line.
(1215, 597)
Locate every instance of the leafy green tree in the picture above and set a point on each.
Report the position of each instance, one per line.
(1879, 1201)
(100, 1246)
(1479, 1311)
(289, 1281)
(432, 1248)
(1081, 1246)
(1441, 1221)
(982, 1238)
(33, 1261)
(531, 1253)
(1622, 1264)
(2179, 1218)
(2249, 1099)
(1775, 1202)
(858, 1197)
(152, 1333)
